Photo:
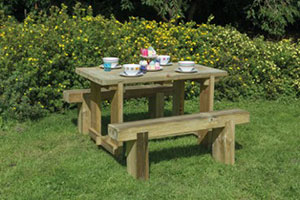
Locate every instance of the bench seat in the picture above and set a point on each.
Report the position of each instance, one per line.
(154, 92)
(136, 135)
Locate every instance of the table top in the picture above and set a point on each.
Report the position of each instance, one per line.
(101, 77)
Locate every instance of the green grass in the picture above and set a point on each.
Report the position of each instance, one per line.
(49, 159)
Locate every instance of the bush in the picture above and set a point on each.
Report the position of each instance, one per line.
(38, 57)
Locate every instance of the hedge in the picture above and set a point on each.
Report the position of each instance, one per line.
(38, 57)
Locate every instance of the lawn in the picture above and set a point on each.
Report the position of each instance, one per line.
(49, 159)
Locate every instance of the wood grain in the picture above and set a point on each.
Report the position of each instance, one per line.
(95, 100)
(116, 108)
(113, 77)
(176, 125)
(84, 114)
(223, 146)
(75, 95)
(178, 97)
(156, 105)
(206, 104)
(138, 157)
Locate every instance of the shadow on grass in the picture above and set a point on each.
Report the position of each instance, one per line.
(185, 151)
(166, 154)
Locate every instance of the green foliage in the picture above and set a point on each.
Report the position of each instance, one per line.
(273, 16)
(270, 16)
(38, 57)
(168, 10)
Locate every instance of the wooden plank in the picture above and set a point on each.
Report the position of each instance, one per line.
(168, 126)
(116, 108)
(95, 136)
(178, 97)
(116, 115)
(84, 114)
(138, 157)
(95, 100)
(223, 146)
(98, 75)
(75, 96)
(206, 98)
(113, 147)
(156, 105)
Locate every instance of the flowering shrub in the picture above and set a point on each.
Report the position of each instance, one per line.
(38, 57)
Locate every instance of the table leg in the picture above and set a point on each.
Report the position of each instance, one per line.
(95, 100)
(116, 109)
(206, 104)
(178, 97)
(156, 105)
(116, 116)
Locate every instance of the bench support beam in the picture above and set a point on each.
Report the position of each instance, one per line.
(223, 143)
(138, 157)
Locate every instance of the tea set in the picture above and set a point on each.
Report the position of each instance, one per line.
(151, 63)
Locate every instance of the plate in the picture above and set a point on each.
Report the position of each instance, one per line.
(154, 70)
(136, 75)
(192, 71)
(149, 57)
(116, 67)
(168, 64)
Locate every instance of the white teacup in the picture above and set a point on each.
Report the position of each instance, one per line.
(131, 69)
(163, 59)
(112, 60)
(186, 66)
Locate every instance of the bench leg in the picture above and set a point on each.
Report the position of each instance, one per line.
(178, 97)
(206, 104)
(223, 146)
(156, 105)
(84, 115)
(95, 101)
(137, 157)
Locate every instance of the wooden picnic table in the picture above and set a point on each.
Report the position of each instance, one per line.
(112, 80)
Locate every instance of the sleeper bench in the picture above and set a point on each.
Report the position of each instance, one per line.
(136, 135)
(154, 92)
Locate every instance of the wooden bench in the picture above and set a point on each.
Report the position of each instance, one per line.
(136, 135)
(155, 93)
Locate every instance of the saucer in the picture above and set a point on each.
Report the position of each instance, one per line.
(168, 64)
(192, 71)
(134, 75)
(116, 67)
(154, 70)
